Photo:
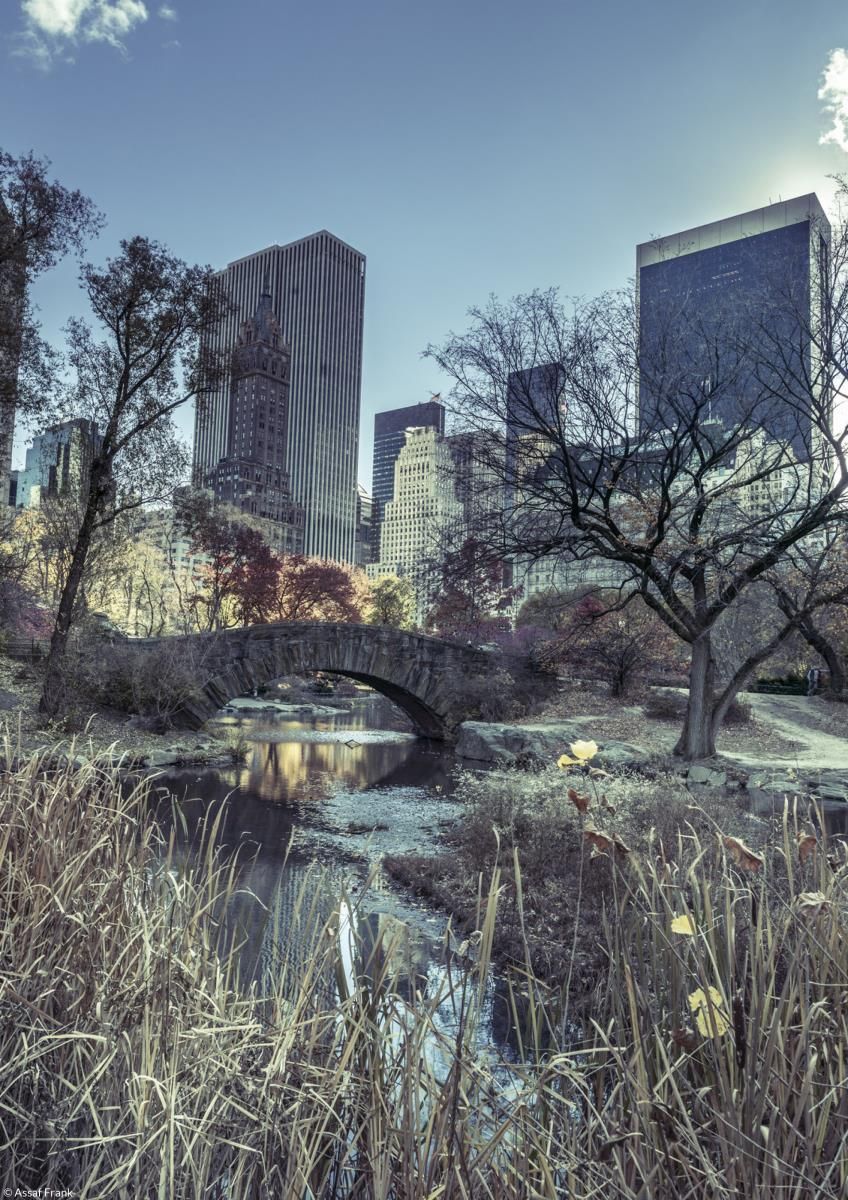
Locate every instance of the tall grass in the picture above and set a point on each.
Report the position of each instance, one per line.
(136, 1061)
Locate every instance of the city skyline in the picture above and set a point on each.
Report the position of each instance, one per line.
(397, 132)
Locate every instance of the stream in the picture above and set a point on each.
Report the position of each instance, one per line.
(318, 801)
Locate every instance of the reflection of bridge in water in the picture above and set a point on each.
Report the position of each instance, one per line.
(422, 675)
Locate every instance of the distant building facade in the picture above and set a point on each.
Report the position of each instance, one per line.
(423, 509)
(365, 528)
(478, 471)
(317, 289)
(706, 296)
(389, 437)
(57, 463)
(12, 299)
(535, 408)
(252, 475)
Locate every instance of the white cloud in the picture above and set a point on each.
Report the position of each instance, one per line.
(167, 13)
(58, 18)
(834, 93)
(53, 25)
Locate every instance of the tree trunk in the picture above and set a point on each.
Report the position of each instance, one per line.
(52, 694)
(835, 665)
(698, 737)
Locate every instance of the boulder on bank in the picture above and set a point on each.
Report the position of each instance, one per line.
(706, 776)
(536, 745)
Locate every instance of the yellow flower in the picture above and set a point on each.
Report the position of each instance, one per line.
(683, 924)
(710, 1015)
(565, 761)
(583, 751)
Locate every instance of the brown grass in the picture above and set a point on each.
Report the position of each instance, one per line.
(136, 1062)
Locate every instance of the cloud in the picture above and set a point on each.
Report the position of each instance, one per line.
(51, 26)
(834, 93)
(167, 13)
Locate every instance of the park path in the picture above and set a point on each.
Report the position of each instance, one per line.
(798, 718)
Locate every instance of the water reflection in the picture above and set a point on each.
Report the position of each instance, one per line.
(267, 811)
(293, 759)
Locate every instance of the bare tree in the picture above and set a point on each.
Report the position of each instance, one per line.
(689, 463)
(156, 314)
(811, 592)
(40, 222)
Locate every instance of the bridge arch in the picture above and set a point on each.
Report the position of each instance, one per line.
(422, 675)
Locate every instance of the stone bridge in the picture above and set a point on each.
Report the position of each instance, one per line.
(421, 675)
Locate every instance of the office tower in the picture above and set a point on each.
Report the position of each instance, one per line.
(389, 437)
(317, 290)
(365, 551)
(57, 463)
(422, 511)
(478, 467)
(536, 409)
(725, 318)
(12, 296)
(252, 474)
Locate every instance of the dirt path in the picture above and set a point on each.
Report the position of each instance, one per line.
(802, 720)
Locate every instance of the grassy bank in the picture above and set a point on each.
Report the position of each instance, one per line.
(533, 829)
(135, 1063)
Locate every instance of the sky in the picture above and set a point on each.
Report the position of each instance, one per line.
(466, 148)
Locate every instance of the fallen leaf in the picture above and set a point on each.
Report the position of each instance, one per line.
(597, 773)
(742, 855)
(812, 904)
(584, 750)
(710, 1015)
(807, 845)
(684, 1038)
(581, 803)
(683, 924)
(606, 841)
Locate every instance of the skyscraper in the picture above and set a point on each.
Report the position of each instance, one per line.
(57, 463)
(252, 474)
(534, 403)
(317, 290)
(12, 294)
(423, 509)
(389, 438)
(726, 311)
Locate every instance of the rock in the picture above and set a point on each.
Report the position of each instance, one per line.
(535, 745)
(782, 787)
(707, 776)
(829, 791)
(161, 758)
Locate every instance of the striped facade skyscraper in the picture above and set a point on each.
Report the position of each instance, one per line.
(317, 290)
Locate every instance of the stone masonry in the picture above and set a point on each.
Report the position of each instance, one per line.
(422, 675)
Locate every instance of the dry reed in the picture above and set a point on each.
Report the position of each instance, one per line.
(135, 1061)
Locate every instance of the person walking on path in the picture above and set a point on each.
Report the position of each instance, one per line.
(813, 676)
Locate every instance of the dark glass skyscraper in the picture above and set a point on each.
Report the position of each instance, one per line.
(317, 290)
(726, 312)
